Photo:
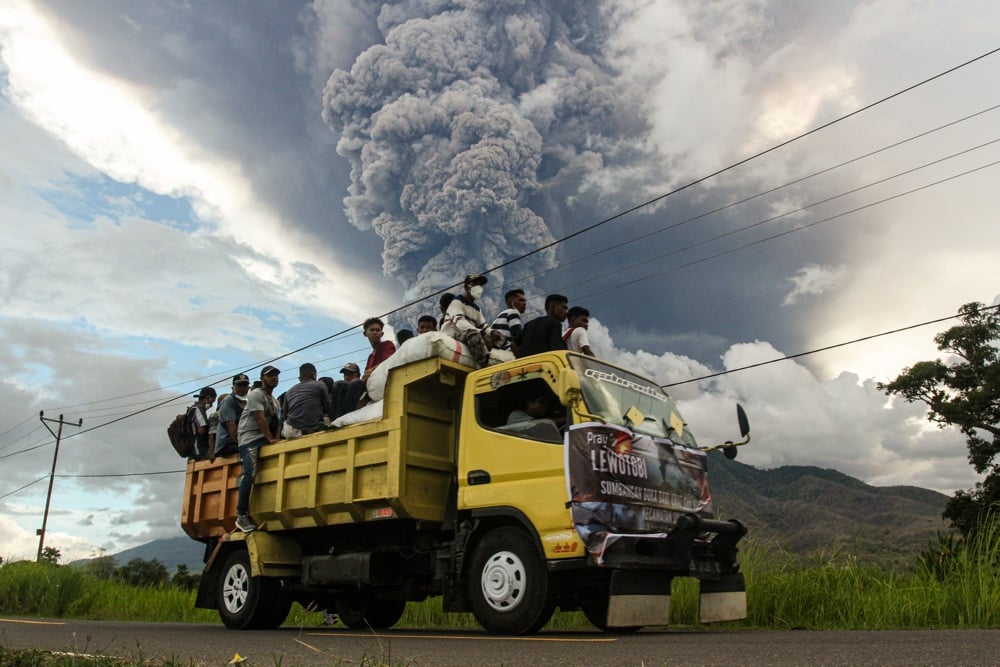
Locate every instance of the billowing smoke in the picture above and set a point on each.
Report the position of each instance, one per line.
(471, 127)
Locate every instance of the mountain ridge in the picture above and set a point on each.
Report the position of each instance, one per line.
(806, 512)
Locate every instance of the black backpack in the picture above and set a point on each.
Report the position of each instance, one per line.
(182, 433)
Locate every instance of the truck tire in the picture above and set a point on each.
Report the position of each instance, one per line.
(596, 611)
(247, 602)
(361, 613)
(507, 583)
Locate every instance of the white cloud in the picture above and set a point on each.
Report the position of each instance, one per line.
(21, 544)
(112, 125)
(813, 280)
(798, 419)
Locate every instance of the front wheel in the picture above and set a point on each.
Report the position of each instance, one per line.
(507, 583)
(596, 611)
(245, 601)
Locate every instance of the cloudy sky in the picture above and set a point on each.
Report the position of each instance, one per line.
(193, 188)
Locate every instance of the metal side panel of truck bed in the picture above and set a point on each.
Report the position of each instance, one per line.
(398, 466)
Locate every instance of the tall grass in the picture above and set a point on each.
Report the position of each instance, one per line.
(40, 589)
(833, 591)
(837, 591)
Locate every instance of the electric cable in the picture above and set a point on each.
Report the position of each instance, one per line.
(787, 232)
(758, 195)
(619, 269)
(665, 386)
(821, 349)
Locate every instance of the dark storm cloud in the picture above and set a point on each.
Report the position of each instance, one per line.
(461, 128)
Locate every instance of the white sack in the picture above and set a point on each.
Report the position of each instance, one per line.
(370, 412)
(424, 346)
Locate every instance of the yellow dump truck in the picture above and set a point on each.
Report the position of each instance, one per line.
(557, 480)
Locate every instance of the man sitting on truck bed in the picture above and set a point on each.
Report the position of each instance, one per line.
(306, 404)
(464, 320)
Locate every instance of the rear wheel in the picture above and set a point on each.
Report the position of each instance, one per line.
(245, 601)
(507, 583)
(363, 613)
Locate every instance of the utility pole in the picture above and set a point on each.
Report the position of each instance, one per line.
(52, 475)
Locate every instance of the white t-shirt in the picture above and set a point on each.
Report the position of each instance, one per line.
(577, 340)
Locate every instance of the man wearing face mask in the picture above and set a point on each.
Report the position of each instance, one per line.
(464, 320)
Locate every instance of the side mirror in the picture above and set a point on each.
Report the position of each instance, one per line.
(729, 447)
(741, 417)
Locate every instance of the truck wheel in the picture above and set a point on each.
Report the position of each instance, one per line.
(596, 611)
(277, 614)
(507, 584)
(360, 614)
(245, 601)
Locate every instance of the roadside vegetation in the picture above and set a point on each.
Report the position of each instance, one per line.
(952, 584)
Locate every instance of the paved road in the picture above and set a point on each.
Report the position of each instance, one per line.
(214, 645)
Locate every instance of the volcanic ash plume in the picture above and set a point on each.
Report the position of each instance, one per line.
(471, 114)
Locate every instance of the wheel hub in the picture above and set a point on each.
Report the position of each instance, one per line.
(234, 589)
(503, 581)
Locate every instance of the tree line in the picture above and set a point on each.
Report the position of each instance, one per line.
(137, 572)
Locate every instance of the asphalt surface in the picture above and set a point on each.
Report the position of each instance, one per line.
(292, 647)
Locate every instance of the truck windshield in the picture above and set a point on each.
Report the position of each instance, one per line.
(610, 392)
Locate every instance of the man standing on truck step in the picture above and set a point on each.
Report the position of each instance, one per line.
(464, 320)
(545, 333)
(258, 426)
(306, 404)
(230, 409)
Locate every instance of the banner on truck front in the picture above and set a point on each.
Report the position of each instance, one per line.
(620, 482)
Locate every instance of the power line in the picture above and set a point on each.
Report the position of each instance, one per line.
(763, 193)
(665, 386)
(620, 269)
(821, 349)
(790, 231)
(125, 474)
(743, 161)
(10, 493)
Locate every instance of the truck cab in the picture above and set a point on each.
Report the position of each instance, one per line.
(516, 479)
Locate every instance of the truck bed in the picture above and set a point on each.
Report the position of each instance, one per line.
(398, 466)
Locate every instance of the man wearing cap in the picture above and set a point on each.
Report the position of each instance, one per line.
(464, 320)
(305, 404)
(230, 410)
(205, 399)
(343, 390)
(258, 426)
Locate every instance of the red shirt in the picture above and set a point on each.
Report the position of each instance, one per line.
(379, 354)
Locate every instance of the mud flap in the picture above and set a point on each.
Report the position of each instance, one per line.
(724, 599)
(638, 598)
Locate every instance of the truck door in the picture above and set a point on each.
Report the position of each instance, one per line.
(511, 449)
